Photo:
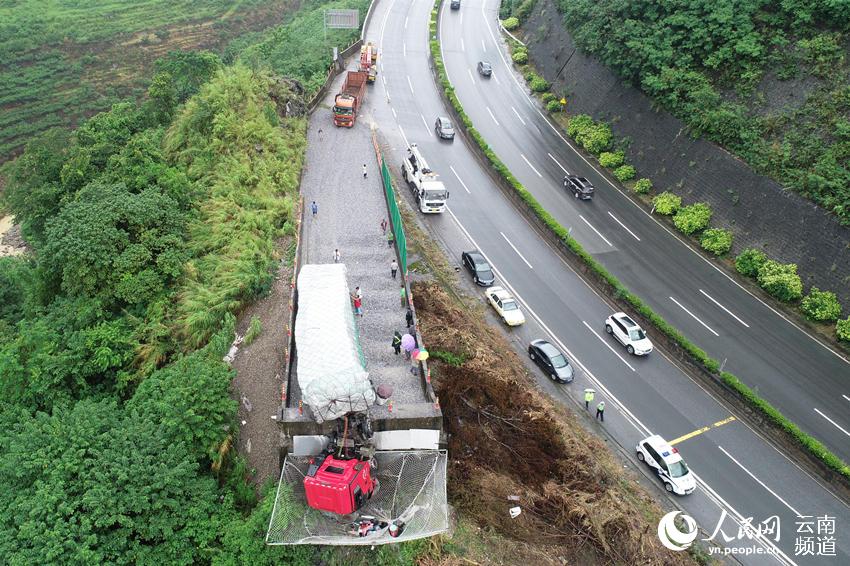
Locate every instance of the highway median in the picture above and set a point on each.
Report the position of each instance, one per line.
(761, 414)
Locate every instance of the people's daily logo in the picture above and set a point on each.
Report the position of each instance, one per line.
(671, 536)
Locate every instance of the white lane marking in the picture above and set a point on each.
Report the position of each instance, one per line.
(846, 397)
(761, 483)
(459, 179)
(552, 157)
(483, 46)
(529, 101)
(516, 250)
(694, 316)
(405, 22)
(724, 308)
(615, 402)
(383, 78)
(383, 27)
(517, 114)
(617, 220)
(470, 76)
(461, 18)
(598, 233)
(404, 48)
(835, 424)
(524, 158)
(407, 143)
(604, 341)
(410, 84)
(427, 129)
(462, 46)
(498, 82)
(395, 115)
(492, 116)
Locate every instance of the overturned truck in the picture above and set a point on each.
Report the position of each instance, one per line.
(352, 474)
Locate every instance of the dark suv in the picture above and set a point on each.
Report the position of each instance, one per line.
(581, 187)
(455, 4)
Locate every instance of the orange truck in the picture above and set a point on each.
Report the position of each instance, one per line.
(349, 99)
(369, 60)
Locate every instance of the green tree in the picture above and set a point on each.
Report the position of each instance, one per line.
(163, 96)
(187, 71)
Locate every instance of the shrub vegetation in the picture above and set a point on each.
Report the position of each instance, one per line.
(716, 240)
(625, 173)
(842, 329)
(643, 186)
(821, 306)
(667, 203)
(750, 261)
(780, 280)
(692, 218)
(511, 23)
(611, 160)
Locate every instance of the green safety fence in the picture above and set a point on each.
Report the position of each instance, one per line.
(395, 216)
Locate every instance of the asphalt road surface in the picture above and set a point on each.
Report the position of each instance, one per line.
(740, 475)
(802, 377)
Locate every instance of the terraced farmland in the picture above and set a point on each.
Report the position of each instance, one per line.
(62, 61)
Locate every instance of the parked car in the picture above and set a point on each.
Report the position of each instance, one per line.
(505, 304)
(551, 360)
(455, 4)
(581, 187)
(669, 464)
(444, 128)
(485, 69)
(628, 333)
(481, 271)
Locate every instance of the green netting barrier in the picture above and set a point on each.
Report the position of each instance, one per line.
(395, 215)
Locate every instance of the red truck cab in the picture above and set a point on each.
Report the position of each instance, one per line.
(338, 486)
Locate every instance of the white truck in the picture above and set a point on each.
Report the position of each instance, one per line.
(430, 193)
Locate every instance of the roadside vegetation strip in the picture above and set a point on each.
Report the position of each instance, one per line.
(619, 291)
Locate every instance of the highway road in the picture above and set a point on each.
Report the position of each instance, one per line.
(740, 475)
(794, 371)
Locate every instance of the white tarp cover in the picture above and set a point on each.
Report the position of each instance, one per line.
(332, 379)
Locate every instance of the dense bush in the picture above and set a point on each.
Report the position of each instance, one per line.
(643, 186)
(821, 306)
(553, 106)
(780, 280)
(548, 97)
(750, 261)
(520, 57)
(716, 240)
(538, 84)
(625, 173)
(595, 137)
(692, 218)
(842, 329)
(511, 23)
(667, 203)
(611, 159)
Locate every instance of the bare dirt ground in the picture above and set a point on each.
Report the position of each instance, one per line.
(11, 242)
(511, 445)
(259, 375)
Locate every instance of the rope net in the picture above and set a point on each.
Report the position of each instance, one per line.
(411, 490)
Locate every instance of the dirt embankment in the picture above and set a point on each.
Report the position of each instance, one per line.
(509, 440)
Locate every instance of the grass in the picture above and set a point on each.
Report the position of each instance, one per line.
(65, 61)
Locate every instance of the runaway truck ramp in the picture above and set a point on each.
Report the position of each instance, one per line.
(411, 490)
(331, 367)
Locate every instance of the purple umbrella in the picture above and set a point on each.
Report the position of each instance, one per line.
(407, 342)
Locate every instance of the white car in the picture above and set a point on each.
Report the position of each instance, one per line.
(505, 305)
(669, 464)
(628, 333)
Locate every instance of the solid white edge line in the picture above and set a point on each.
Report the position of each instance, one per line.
(730, 313)
(524, 158)
(598, 233)
(694, 316)
(607, 345)
(552, 157)
(492, 116)
(761, 483)
(632, 419)
(515, 112)
(522, 257)
(528, 99)
(617, 220)
(410, 84)
(459, 179)
(835, 424)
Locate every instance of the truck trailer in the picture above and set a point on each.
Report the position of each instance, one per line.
(349, 99)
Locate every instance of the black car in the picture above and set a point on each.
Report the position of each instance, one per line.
(443, 127)
(455, 4)
(481, 272)
(581, 187)
(484, 69)
(551, 360)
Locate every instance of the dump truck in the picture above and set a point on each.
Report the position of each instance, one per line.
(349, 99)
(429, 191)
(369, 61)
